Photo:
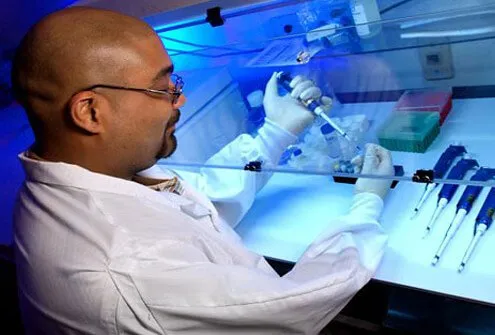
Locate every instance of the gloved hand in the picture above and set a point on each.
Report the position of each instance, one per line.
(287, 111)
(377, 161)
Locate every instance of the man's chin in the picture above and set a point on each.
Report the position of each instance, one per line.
(168, 148)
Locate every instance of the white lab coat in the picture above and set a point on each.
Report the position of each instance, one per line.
(102, 255)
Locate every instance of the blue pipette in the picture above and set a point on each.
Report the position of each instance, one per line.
(439, 170)
(464, 206)
(448, 190)
(483, 222)
(314, 106)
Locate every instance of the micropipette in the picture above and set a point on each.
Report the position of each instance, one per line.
(439, 170)
(483, 222)
(314, 106)
(464, 206)
(448, 190)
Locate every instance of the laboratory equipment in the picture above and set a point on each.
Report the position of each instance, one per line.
(314, 106)
(429, 100)
(464, 206)
(482, 224)
(331, 32)
(295, 158)
(366, 16)
(326, 150)
(409, 131)
(330, 135)
(256, 114)
(332, 37)
(439, 170)
(286, 155)
(448, 190)
(356, 127)
(306, 158)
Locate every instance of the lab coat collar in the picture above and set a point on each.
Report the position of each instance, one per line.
(70, 175)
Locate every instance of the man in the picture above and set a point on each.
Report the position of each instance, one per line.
(104, 247)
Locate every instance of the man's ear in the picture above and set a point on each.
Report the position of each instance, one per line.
(86, 112)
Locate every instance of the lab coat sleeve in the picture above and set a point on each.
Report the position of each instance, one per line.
(186, 292)
(232, 191)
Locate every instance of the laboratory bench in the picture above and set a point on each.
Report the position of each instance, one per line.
(293, 208)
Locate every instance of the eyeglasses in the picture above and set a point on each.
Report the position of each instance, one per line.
(175, 92)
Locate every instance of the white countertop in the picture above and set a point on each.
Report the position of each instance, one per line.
(292, 209)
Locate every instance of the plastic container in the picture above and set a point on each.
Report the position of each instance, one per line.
(332, 140)
(364, 12)
(333, 32)
(335, 41)
(356, 126)
(426, 100)
(256, 113)
(409, 131)
(287, 155)
(309, 159)
(298, 160)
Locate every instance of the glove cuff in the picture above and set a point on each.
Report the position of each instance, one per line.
(274, 140)
(367, 204)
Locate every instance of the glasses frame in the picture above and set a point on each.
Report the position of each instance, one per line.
(176, 92)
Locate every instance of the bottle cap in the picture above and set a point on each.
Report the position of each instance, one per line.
(326, 129)
(255, 99)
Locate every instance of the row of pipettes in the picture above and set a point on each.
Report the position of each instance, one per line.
(464, 205)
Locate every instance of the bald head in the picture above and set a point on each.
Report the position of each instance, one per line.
(72, 49)
(59, 61)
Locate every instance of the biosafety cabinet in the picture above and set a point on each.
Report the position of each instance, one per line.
(417, 77)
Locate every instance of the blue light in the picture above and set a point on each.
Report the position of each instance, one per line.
(196, 46)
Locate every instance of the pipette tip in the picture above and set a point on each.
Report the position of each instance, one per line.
(435, 260)
(461, 267)
(414, 213)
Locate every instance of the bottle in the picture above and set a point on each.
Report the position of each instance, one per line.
(364, 12)
(313, 140)
(297, 160)
(332, 140)
(256, 113)
(309, 160)
(287, 155)
(357, 127)
(333, 38)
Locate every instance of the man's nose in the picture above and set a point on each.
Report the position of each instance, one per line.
(180, 101)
